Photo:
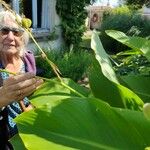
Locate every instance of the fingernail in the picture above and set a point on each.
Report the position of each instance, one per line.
(40, 81)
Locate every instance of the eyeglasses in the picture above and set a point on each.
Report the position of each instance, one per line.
(16, 31)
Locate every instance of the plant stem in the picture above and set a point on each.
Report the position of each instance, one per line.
(54, 67)
(4, 70)
(49, 80)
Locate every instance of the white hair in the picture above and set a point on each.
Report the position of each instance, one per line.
(25, 37)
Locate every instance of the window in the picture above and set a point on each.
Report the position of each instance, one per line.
(41, 12)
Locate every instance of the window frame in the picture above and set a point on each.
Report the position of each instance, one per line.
(48, 9)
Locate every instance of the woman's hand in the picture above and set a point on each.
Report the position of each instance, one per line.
(17, 87)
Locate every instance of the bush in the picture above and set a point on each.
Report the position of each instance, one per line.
(131, 65)
(73, 15)
(115, 22)
(72, 65)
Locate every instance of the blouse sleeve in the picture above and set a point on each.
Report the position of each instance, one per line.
(29, 60)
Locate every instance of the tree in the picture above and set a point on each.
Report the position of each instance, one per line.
(73, 15)
(138, 3)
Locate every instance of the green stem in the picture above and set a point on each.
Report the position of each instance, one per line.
(36, 42)
(4, 70)
(72, 90)
(63, 84)
(54, 67)
(49, 80)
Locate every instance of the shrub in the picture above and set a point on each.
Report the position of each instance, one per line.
(73, 15)
(131, 65)
(71, 64)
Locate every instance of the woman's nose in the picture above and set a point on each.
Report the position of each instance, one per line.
(10, 35)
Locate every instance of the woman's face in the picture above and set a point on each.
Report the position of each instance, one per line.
(10, 38)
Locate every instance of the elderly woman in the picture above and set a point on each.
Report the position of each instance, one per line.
(13, 89)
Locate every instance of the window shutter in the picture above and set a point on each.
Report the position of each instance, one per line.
(52, 8)
(48, 7)
(34, 13)
(15, 5)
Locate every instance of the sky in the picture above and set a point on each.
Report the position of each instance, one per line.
(104, 2)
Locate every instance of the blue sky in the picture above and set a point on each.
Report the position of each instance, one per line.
(104, 2)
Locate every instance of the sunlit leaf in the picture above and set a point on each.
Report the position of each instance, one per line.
(82, 123)
(136, 43)
(115, 94)
(140, 84)
(102, 57)
(104, 83)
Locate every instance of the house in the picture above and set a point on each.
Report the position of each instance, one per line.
(45, 21)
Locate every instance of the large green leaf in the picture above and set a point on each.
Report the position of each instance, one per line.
(82, 123)
(65, 118)
(55, 89)
(103, 81)
(140, 84)
(115, 94)
(136, 43)
(103, 58)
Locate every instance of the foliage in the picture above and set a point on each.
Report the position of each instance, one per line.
(72, 65)
(117, 11)
(130, 22)
(131, 64)
(100, 81)
(139, 46)
(65, 120)
(73, 15)
(142, 45)
(122, 10)
(138, 3)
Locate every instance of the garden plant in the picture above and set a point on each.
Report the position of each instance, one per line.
(108, 115)
(126, 20)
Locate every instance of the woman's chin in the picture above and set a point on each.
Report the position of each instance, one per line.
(10, 52)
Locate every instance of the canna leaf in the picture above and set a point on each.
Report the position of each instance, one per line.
(114, 94)
(104, 83)
(136, 43)
(102, 58)
(80, 123)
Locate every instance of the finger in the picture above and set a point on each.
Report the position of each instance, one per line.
(18, 78)
(26, 83)
(10, 95)
(38, 83)
(28, 90)
(23, 84)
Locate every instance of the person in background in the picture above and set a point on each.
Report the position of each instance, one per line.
(14, 89)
